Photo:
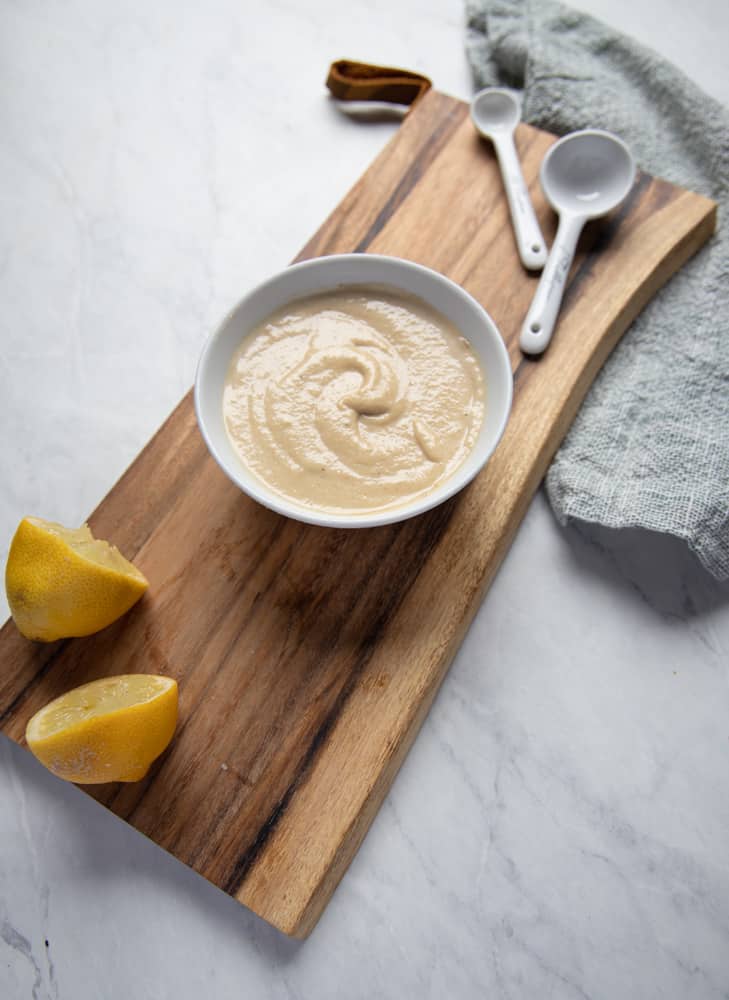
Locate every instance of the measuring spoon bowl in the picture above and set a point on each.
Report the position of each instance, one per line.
(584, 176)
(587, 173)
(495, 114)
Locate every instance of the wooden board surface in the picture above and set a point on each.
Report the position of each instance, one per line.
(308, 657)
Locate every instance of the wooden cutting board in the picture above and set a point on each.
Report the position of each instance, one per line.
(307, 658)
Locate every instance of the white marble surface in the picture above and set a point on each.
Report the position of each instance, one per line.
(561, 826)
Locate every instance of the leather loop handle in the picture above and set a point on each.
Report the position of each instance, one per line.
(355, 81)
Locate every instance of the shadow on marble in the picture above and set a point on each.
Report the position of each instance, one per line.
(374, 114)
(659, 568)
(107, 851)
(370, 111)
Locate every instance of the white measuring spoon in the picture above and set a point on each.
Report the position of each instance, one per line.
(496, 113)
(584, 175)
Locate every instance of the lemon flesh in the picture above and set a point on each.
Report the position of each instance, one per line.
(62, 582)
(111, 729)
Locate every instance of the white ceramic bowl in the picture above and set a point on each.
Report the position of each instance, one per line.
(328, 273)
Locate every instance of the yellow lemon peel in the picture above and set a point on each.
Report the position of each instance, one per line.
(62, 582)
(110, 729)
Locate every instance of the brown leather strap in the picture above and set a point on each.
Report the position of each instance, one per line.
(355, 81)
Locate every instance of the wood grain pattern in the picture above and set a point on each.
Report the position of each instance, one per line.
(307, 657)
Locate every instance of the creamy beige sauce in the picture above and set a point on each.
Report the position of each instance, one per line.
(354, 400)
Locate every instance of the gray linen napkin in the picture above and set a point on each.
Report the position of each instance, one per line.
(650, 445)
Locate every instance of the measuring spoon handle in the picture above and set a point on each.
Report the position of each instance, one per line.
(538, 326)
(529, 240)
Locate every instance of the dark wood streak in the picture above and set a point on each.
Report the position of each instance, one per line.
(411, 177)
(522, 368)
(316, 719)
(528, 364)
(213, 627)
(201, 458)
(397, 197)
(601, 238)
(150, 524)
(436, 523)
(35, 679)
(662, 193)
(327, 239)
(190, 446)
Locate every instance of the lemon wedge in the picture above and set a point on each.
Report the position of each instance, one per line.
(62, 582)
(108, 730)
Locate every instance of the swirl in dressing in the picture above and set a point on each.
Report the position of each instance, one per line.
(354, 400)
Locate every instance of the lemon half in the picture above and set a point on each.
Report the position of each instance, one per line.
(62, 582)
(108, 730)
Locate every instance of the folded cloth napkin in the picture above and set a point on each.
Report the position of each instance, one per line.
(650, 445)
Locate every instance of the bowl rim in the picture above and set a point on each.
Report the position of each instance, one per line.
(315, 516)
